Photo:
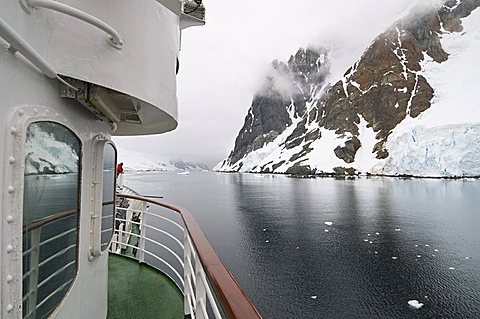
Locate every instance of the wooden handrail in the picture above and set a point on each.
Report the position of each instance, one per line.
(50, 219)
(235, 303)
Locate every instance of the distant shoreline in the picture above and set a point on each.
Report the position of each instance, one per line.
(350, 176)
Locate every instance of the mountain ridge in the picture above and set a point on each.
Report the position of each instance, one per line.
(384, 89)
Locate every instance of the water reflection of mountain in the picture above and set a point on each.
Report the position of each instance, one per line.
(349, 268)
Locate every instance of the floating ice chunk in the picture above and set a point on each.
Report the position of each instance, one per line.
(297, 247)
(267, 241)
(264, 229)
(427, 245)
(394, 258)
(416, 245)
(435, 250)
(326, 230)
(370, 242)
(313, 297)
(419, 256)
(398, 229)
(368, 234)
(328, 223)
(377, 234)
(365, 240)
(415, 304)
(376, 253)
(451, 268)
(467, 257)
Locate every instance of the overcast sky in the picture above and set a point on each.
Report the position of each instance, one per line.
(224, 62)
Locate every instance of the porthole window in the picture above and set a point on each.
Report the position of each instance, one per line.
(108, 194)
(50, 216)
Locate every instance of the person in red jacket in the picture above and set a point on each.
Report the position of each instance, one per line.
(119, 169)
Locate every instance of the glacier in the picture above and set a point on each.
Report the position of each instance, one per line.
(443, 151)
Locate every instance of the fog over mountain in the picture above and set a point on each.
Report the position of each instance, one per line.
(407, 106)
(223, 63)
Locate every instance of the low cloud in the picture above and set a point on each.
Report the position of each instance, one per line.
(225, 62)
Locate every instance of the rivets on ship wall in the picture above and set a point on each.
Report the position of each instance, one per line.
(11, 189)
(9, 249)
(21, 112)
(9, 308)
(9, 279)
(13, 130)
(9, 219)
(35, 111)
(11, 160)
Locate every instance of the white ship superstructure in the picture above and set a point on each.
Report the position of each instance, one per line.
(72, 74)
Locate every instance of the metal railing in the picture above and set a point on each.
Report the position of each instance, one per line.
(40, 273)
(149, 230)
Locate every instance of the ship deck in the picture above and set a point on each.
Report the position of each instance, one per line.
(140, 291)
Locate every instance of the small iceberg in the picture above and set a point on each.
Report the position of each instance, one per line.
(398, 229)
(313, 297)
(184, 173)
(415, 304)
(328, 223)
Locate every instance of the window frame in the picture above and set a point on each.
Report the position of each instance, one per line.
(26, 126)
(98, 148)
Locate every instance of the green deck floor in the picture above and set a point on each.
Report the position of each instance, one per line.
(137, 291)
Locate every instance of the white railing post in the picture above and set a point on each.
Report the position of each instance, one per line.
(200, 291)
(187, 274)
(143, 231)
(33, 277)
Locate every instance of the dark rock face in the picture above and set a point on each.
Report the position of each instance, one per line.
(384, 87)
(286, 91)
(347, 152)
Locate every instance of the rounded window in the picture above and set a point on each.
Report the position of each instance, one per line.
(51, 212)
(108, 194)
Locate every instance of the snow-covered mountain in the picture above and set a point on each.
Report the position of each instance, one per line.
(409, 105)
(135, 161)
(50, 151)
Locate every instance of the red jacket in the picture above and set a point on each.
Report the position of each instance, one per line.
(120, 168)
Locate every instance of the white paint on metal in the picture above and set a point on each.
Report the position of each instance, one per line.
(115, 38)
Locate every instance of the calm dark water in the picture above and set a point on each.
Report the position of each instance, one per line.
(390, 241)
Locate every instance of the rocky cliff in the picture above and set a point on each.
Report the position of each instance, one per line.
(299, 123)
